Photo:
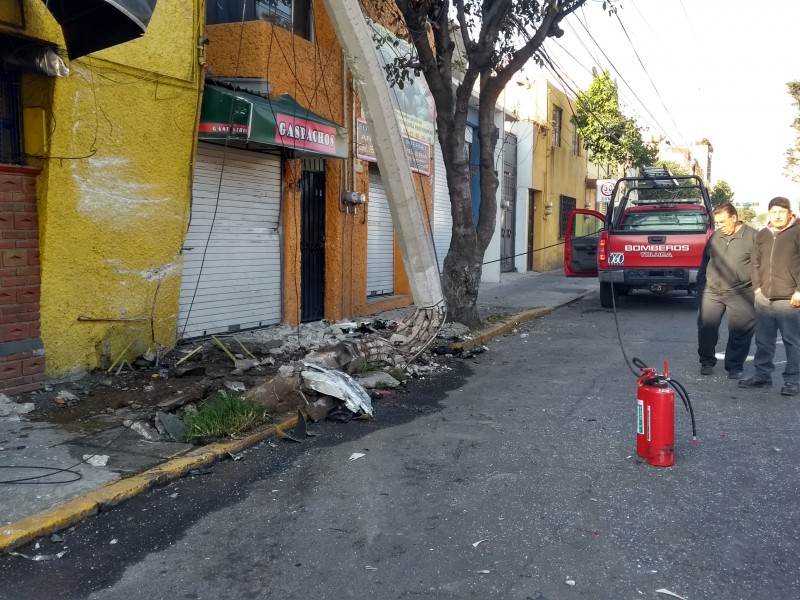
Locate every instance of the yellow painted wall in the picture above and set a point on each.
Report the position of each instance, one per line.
(314, 74)
(557, 171)
(115, 187)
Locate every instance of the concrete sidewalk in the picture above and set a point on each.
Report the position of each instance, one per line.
(47, 485)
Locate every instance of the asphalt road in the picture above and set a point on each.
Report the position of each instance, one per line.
(514, 475)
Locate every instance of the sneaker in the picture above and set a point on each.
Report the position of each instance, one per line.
(753, 382)
(734, 374)
(706, 369)
(790, 389)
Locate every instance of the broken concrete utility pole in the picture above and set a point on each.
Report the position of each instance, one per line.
(413, 232)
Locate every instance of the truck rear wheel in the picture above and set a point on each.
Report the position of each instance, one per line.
(609, 295)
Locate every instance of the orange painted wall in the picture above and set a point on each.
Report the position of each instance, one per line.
(313, 73)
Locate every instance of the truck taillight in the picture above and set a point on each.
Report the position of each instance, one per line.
(602, 251)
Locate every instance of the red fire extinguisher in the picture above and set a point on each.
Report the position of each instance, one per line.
(655, 415)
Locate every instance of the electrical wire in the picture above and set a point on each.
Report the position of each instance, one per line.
(219, 182)
(610, 62)
(34, 480)
(650, 79)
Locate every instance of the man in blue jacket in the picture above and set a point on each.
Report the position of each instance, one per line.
(724, 285)
(775, 271)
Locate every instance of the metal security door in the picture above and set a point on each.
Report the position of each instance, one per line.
(232, 253)
(312, 245)
(380, 240)
(507, 203)
(442, 215)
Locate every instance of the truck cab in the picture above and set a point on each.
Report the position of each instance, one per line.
(652, 236)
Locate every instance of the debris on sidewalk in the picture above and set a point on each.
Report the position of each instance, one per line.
(96, 460)
(235, 386)
(66, 398)
(356, 455)
(147, 432)
(173, 426)
(8, 407)
(377, 379)
(337, 384)
(184, 370)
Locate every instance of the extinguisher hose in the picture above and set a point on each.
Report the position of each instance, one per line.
(639, 363)
(684, 395)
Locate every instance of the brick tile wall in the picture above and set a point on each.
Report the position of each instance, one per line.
(21, 350)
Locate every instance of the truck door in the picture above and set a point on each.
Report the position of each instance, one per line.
(580, 243)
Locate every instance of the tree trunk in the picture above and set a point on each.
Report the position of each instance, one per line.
(461, 280)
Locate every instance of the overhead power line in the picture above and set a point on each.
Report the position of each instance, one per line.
(621, 24)
(619, 74)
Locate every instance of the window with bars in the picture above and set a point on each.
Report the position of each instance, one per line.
(293, 15)
(10, 119)
(566, 204)
(558, 117)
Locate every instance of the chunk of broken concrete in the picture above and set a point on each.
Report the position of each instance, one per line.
(235, 386)
(194, 392)
(183, 370)
(377, 379)
(319, 408)
(145, 431)
(242, 365)
(279, 394)
(346, 356)
(96, 460)
(8, 407)
(174, 427)
(68, 397)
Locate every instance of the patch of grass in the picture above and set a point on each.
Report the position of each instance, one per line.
(368, 367)
(224, 415)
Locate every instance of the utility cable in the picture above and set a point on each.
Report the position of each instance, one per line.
(650, 79)
(55, 470)
(620, 74)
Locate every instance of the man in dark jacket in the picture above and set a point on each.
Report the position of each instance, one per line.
(775, 271)
(724, 282)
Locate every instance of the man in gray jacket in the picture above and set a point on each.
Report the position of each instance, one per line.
(775, 271)
(724, 285)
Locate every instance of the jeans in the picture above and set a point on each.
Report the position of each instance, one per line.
(773, 316)
(741, 325)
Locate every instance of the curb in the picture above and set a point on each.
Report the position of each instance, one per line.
(73, 511)
(504, 326)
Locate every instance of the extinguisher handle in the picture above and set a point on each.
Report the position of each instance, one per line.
(638, 362)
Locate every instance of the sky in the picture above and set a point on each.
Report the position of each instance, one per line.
(711, 69)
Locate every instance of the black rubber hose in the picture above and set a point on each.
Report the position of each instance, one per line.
(678, 386)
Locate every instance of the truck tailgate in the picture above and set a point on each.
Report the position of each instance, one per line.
(679, 250)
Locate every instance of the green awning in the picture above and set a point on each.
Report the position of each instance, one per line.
(242, 117)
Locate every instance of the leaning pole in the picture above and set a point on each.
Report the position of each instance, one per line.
(413, 232)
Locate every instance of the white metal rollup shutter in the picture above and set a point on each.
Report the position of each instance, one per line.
(442, 217)
(380, 240)
(232, 277)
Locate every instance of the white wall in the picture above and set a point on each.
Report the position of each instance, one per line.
(526, 138)
(491, 271)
